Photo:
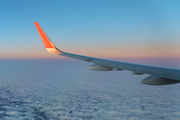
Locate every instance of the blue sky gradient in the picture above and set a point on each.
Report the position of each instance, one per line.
(99, 28)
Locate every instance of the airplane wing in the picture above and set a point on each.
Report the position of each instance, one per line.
(158, 75)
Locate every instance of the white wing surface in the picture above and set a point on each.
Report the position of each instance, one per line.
(158, 75)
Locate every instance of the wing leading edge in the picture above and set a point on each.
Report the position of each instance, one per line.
(158, 75)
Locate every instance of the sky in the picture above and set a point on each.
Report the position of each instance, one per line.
(97, 28)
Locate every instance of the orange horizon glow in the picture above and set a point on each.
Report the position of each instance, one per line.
(39, 52)
(107, 54)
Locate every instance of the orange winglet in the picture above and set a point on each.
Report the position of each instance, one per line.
(46, 41)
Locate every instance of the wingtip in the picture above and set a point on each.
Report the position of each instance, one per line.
(36, 23)
(50, 47)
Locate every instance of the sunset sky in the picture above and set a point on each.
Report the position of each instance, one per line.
(98, 28)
